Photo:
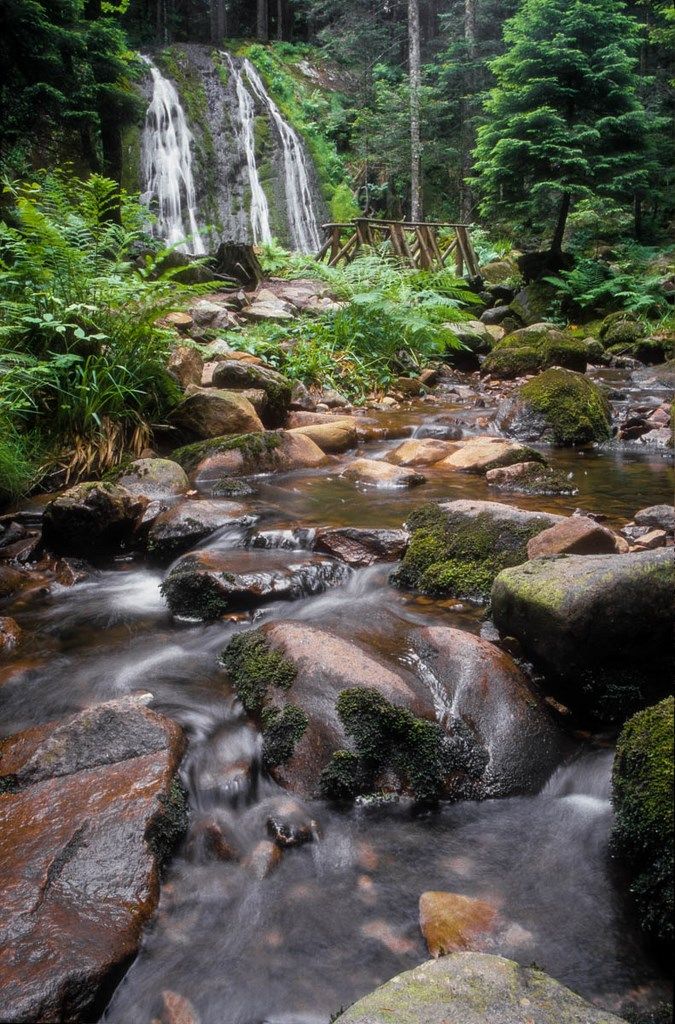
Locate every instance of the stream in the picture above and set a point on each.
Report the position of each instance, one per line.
(339, 915)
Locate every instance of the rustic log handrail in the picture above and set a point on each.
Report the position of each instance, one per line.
(415, 242)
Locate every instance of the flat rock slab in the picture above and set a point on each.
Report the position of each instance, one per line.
(207, 584)
(361, 547)
(377, 473)
(479, 454)
(85, 806)
(192, 521)
(336, 435)
(474, 988)
(420, 452)
(577, 535)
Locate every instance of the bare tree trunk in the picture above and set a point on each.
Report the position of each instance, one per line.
(466, 133)
(415, 87)
(559, 234)
(262, 21)
(280, 19)
(218, 16)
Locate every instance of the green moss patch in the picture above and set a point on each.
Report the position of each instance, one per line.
(169, 825)
(256, 449)
(509, 363)
(282, 730)
(529, 351)
(575, 408)
(254, 666)
(459, 555)
(643, 801)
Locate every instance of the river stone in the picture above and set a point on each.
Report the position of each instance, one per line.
(90, 811)
(559, 406)
(186, 365)
(10, 633)
(154, 478)
(450, 922)
(420, 452)
(277, 388)
(207, 584)
(529, 478)
(333, 435)
(323, 665)
(474, 988)
(599, 625)
(248, 454)
(361, 547)
(91, 518)
(479, 454)
(485, 687)
(209, 412)
(185, 525)
(473, 334)
(381, 474)
(576, 535)
(658, 517)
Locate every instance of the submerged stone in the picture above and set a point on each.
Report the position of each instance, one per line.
(450, 922)
(361, 547)
(377, 473)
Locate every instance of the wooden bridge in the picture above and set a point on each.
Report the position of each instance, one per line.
(426, 245)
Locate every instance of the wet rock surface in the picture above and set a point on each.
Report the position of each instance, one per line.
(362, 547)
(182, 527)
(154, 478)
(91, 518)
(90, 812)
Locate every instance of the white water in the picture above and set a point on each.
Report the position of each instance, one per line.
(301, 216)
(166, 167)
(260, 214)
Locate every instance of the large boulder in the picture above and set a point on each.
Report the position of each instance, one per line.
(210, 412)
(484, 686)
(336, 718)
(154, 478)
(642, 782)
(235, 374)
(361, 547)
(474, 988)
(208, 584)
(423, 451)
(552, 347)
(480, 454)
(559, 406)
(91, 810)
(457, 548)
(91, 519)
(575, 535)
(185, 525)
(248, 454)
(599, 625)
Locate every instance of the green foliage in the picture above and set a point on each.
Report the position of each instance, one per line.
(83, 360)
(343, 205)
(594, 286)
(20, 455)
(394, 320)
(574, 407)
(643, 801)
(564, 116)
(254, 667)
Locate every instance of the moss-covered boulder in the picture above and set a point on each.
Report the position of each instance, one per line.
(535, 348)
(646, 350)
(532, 302)
(457, 548)
(509, 363)
(529, 478)
(248, 454)
(474, 988)
(559, 406)
(643, 837)
(621, 328)
(154, 478)
(598, 625)
(236, 374)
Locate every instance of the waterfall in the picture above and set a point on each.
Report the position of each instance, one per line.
(302, 222)
(260, 214)
(166, 167)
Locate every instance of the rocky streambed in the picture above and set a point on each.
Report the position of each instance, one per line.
(332, 696)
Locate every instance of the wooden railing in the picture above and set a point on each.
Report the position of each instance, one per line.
(421, 244)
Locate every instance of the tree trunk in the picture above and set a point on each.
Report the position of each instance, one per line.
(262, 21)
(281, 18)
(466, 133)
(218, 21)
(565, 202)
(415, 87)
(637, 216)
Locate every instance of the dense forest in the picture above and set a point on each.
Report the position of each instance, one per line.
(337, 576)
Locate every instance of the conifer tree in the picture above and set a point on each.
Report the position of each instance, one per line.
(564, 120)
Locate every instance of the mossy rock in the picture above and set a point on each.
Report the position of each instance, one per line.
(532, 302)
(509, 363)
(571, 409)
(621, 328)
(552, 347)
(458, 549)
(650, 351)
(254, 666)
(257, 450)
(643, 837)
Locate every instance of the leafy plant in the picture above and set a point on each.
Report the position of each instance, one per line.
(83, 358)
(595, 286)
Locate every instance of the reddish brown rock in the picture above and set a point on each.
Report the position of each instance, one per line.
(423, 452)
(176, 1009)
(186, 365)
(576, 535)
(478, 454)
(11, 580)
(361, 547)
(90, 811)
(264, 858)
(450, 922)
(651, 540)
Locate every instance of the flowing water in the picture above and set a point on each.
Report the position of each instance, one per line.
(339, 915)
(259, 210)
(166, 167)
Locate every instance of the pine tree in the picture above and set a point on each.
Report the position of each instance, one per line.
(564, 120)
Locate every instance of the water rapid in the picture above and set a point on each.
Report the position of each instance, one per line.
(166, 167)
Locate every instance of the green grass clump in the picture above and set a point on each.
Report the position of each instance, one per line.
(575, 408)
(643, 801)
(254, 667)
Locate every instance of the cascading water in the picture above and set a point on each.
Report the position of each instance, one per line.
(260, 214)
(166, 167)
(301, 215)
